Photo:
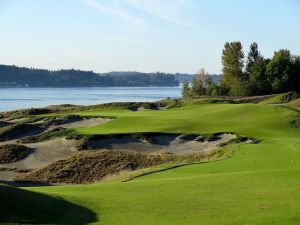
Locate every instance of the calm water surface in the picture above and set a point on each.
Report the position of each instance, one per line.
(17, 98)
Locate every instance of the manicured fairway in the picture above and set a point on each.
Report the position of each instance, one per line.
(259, 185)
(261, 121)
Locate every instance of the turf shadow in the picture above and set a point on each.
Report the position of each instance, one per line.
(26, 207)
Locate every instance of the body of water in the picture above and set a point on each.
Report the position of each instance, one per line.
(19, 98)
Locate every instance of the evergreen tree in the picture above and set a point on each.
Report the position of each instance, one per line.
(198, 88)
(233, 63)
(258, 83)
(186, 90)
(255, 73)
(212, 89)
(280, 70)
(254, 56)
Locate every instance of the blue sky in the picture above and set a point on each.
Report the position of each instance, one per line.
(141, 35)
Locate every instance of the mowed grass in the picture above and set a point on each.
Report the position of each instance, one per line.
(261, 121)
(259, 185)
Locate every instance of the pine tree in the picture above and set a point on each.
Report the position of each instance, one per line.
(186, 90)
(233, 64)
(254, 56)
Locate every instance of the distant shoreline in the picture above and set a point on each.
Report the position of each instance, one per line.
(146, 86)
(14, 76)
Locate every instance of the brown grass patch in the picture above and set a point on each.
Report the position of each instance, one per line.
(94, 166)
(12, 153)
(91, 166)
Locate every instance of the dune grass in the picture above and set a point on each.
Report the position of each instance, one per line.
(259, 185)
(295, 103)
(281, 98)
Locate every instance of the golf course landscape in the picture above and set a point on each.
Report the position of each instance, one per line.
(253, 183)
(150, 112)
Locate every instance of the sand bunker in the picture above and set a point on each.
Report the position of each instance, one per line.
(83, 123)
(158, 143)
(43, 154)
(70, 122)
(47, 151)
(54, 150)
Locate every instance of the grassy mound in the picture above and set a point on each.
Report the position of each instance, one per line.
(12, 153)
(17, 130)
(232, 99)
(62, 120)
(281, 98)
(91, 166)
(295, 103)
(16, 114)
(50, 134)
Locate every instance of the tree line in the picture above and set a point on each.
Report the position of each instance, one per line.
(12, 76)
(253, 75)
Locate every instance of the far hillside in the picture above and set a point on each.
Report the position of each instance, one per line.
(13, 76)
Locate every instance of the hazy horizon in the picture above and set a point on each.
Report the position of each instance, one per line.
(172, 36)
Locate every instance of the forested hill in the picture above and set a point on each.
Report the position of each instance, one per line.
(13, 76)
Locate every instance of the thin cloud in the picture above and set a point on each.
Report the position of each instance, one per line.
(165, 10)
(114, 9)
(119, 39)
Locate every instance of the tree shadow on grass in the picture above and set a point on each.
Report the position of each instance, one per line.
(27, 207)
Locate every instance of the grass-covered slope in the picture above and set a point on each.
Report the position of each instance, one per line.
(259, 185)
(261, 121)
(27, 207)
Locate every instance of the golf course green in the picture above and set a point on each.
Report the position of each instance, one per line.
(258, 185)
